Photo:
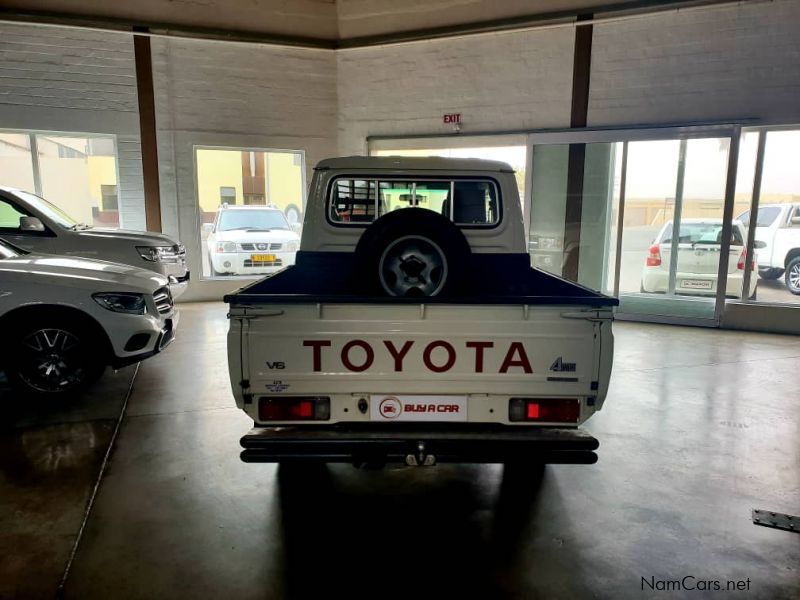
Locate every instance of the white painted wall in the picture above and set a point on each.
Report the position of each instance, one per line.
(715, 64)
(210, 94)
(75, 81)
(502, 81)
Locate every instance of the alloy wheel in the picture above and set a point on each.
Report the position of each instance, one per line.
(52, 360)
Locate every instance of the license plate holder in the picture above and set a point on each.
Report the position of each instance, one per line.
(408, 408)
(696, 284)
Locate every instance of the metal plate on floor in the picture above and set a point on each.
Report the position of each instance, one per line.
(776, 520)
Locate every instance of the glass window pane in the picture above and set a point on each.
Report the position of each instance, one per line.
(649, 206)
(777, 236)
(75, 171)
(353, 201)
(16, 167)
(9, 215)
(516, 156)
(475, 203)
(396, 195)
(548, 207)
(554, 245)
(251, 205)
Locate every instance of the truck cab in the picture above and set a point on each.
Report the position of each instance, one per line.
(412, 329)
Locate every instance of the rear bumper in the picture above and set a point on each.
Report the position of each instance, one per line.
(657, 280)
(392, 444)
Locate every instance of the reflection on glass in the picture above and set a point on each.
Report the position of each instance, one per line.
(553, 244)
(649, 204)
(16, 167)
(777, 235)
(79, 175)
(431, 195)
(513, 155)
(251, 206)
(548, 207)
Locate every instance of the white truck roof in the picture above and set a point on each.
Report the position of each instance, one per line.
(414, 163)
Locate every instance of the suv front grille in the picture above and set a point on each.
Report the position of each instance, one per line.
(261, 247)
(163, 299)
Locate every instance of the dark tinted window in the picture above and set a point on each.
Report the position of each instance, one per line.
(354, 201)
(767, 216)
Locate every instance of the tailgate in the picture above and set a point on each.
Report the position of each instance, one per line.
(422, 349)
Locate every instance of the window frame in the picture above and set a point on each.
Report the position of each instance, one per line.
(378, 179)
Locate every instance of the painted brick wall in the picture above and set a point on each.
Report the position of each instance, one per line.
(75, 81)
(246, 96)
(699, 65)
(502, 81)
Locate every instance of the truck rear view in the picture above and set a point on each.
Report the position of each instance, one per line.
(413, 329)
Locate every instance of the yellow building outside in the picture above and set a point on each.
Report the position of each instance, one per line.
(219, 170)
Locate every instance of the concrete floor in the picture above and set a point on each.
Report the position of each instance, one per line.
(50, 457)
(699, 427)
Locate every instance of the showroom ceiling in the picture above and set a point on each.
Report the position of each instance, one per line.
(324, 23)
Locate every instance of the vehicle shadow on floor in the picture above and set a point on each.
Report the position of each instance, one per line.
(50, 456)
(456, 530)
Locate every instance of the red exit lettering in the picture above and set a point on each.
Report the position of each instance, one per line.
(452, 118)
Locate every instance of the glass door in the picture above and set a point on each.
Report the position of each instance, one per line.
(640, 214)
(672, 239)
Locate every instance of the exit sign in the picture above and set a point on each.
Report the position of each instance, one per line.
(453, 118)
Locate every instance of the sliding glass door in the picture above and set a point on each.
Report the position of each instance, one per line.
(640, 214)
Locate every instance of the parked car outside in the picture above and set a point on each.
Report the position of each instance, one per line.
(250, 240)
(32, 223)
(699, 247)
(777, 242)
(64, 319)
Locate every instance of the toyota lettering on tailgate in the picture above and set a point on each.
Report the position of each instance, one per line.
(438, 356)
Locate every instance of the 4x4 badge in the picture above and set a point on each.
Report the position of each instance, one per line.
(559, 366)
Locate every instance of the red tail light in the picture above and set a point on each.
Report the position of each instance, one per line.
(301, 408)
(545, 410)
(742, 258)
(654, 256)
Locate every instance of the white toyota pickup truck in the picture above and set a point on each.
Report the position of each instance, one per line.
(412, 328)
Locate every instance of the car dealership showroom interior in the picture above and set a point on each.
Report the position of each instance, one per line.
(418, 298)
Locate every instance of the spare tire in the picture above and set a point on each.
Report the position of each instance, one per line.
(412, 252)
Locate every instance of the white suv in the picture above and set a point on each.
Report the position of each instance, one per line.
(250, 240)
(64, 319)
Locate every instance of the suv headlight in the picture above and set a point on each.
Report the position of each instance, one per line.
(292, 246)
(133, 304)
(159, 253)
(226, 247)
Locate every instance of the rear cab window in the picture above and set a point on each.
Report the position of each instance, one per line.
(702, 233)
(466, 202)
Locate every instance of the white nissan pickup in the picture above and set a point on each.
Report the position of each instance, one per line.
(412, 328)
